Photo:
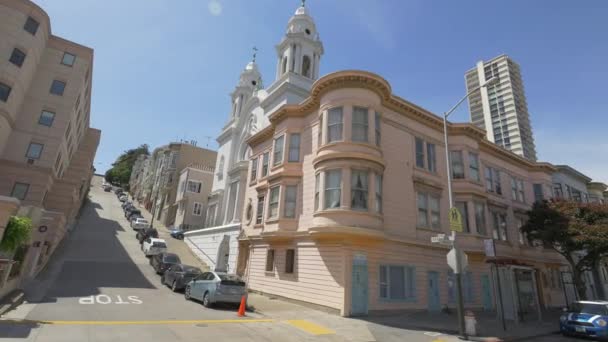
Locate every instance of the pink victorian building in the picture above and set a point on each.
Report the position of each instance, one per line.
(346, 189)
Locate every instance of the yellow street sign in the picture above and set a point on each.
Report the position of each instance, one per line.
(455, 220)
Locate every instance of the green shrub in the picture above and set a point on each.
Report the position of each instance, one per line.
(16, 234)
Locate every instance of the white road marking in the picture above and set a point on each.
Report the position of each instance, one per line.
(105, 299)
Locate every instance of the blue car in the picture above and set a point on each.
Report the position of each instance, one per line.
(177, 233)
(585, 318)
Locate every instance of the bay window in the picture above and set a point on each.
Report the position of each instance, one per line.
(317, 185)
(457, 164)
(265, 165)
(464, 212)
(273, 202)
(500, 226)
(294, 148)
(378, 193)
(254, 169)
(277, 157)
(334, 124)
(377, 121)
(359, 189)
(333, 188)
(474, 166)
(259, 215)
(480, 218)
(291, 192)
(359, 124)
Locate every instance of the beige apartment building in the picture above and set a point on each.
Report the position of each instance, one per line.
(195, 183)
(46, 145)
(157, 187)
(347, 188)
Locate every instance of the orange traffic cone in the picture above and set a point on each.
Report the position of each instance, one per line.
(241, 311)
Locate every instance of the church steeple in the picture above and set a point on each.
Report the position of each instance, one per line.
(301, 49)
(249, 82)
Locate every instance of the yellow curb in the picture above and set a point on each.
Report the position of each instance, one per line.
(310, 328)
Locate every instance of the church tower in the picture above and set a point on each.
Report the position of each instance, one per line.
(249, 82)
(298, 60)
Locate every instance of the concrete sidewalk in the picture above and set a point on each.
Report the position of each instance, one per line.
(398, 326)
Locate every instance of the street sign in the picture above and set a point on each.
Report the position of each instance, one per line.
(455, 219)
(464, 260)
(489, 248)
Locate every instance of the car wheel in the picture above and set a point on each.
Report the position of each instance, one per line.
(187, 292)
(206, 300)
(174, 286)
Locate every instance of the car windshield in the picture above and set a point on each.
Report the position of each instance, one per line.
(590, 308)
(172, 259)
(159, 244)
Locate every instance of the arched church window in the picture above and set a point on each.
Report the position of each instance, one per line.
(306, 66)
(284, 66)
(220, 169)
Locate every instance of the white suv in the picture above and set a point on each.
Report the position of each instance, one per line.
(152, 246)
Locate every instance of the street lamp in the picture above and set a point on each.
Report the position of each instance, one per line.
(460, 307)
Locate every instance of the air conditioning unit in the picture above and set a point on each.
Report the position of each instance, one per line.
(30, 161)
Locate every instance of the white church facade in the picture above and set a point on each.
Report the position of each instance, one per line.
(298, 60)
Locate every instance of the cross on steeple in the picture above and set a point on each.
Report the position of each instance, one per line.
(255, 52)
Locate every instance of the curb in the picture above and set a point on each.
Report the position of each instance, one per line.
(11, 301)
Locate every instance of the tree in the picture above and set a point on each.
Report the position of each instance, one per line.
(16, 234)
(577, 231)
(121, 168)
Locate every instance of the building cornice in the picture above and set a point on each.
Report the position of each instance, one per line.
(377, 84)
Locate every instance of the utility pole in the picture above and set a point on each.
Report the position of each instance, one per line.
(456, 258)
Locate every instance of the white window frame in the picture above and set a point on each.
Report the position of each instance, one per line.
(290, 204)
(274, 203)
(326, 189)
(364, 125)
(338, 125)
(364, 190)
(278, 150)
(474, 168)
(294, 148)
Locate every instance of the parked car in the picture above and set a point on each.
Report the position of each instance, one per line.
(177, 276)
(128, 207)
(585, 318)
(216, 287)
(118, 190)
(132, 212)
(177, 233)
(107, 188)
(146, 233)
(132, 218)
(139, 223)
(161, 262)
(153, 246)
(123, 198)
(126, 203)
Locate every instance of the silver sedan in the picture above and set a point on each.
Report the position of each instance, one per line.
(216, 287)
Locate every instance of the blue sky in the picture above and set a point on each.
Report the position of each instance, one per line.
(164, 68)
